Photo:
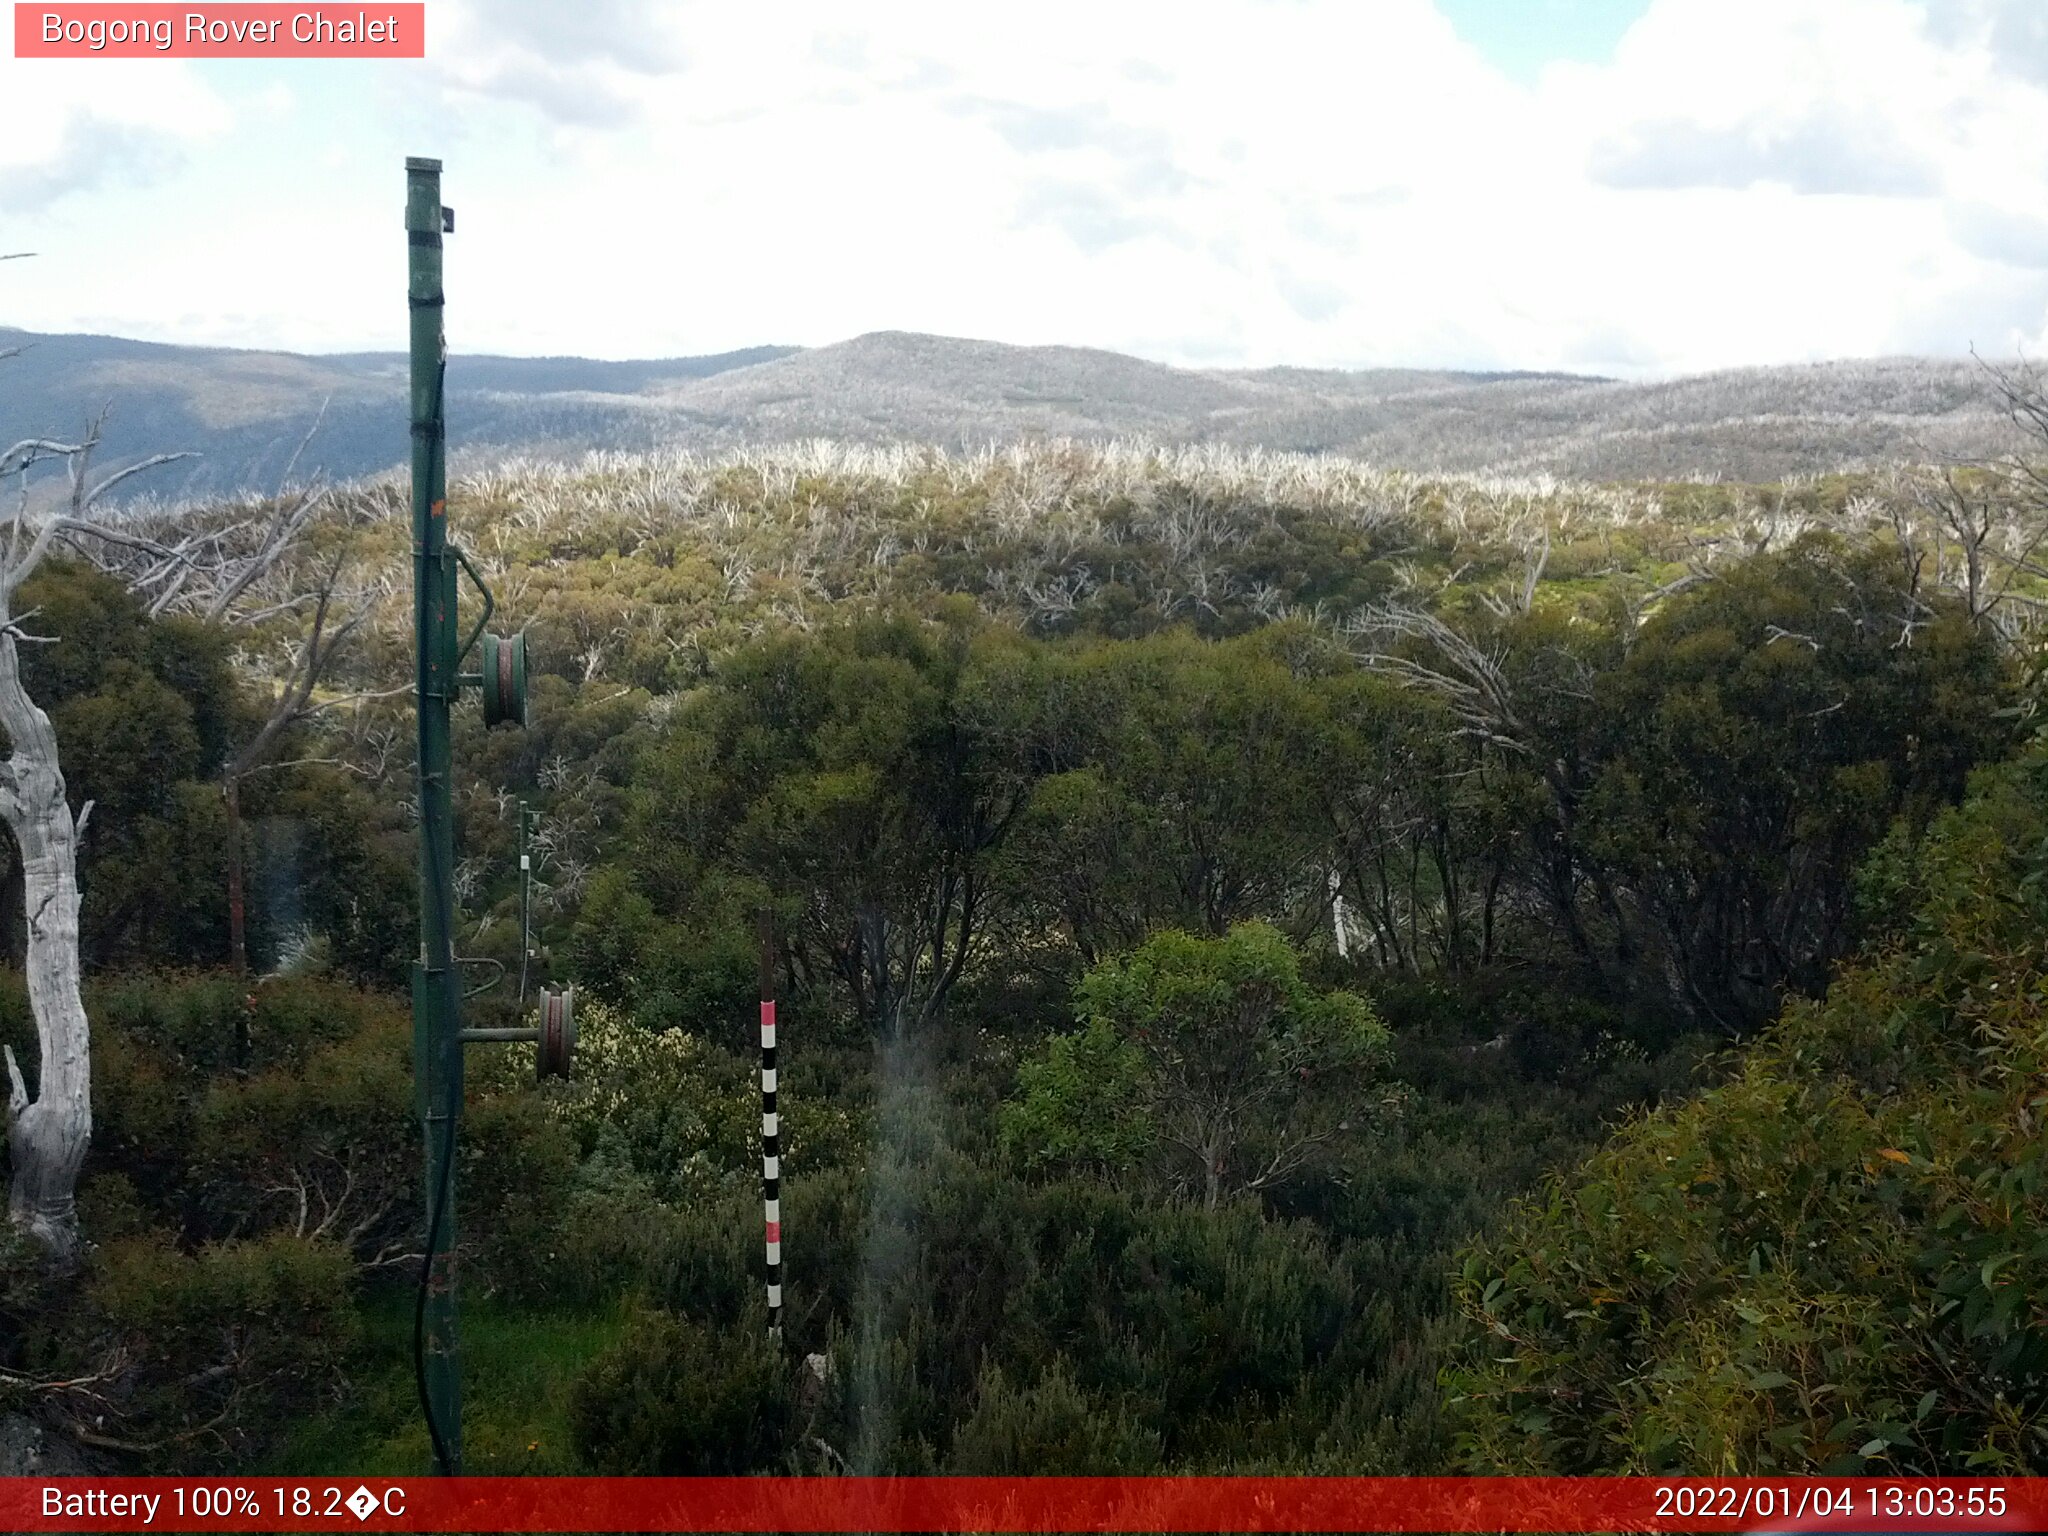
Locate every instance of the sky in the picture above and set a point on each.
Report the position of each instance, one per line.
(1638, 188)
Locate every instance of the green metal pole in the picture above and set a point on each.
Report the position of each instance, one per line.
(525, 901)
(437, 1046)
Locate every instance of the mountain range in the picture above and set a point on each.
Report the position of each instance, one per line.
(246, 413)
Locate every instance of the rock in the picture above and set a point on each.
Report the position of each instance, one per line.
(28, 1450)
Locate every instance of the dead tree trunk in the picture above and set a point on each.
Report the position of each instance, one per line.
(47, 1134)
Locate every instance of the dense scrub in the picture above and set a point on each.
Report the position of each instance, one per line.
(1207, 892)
(1832, 1261)
(253, 1164)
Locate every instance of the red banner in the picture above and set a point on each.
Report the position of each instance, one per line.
(878, 1504)
(241, 31)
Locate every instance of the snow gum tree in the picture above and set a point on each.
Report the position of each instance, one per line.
(49, 1129)
(47, 1133)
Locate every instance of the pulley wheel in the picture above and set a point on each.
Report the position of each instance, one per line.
(504, 679)
(557, 1032)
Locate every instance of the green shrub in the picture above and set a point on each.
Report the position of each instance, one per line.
(327, 1147)
(669, 1116)
(235, 1209)
(210, 1352)
(1048, 1429)
(1079, 1106)
(673, 1398)
(686, 975)
(1832, 1262)
(1214, 1051)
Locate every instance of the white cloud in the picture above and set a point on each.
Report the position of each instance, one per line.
(575, 63)
(1847, 153)
(1307, 181)
(69, 126)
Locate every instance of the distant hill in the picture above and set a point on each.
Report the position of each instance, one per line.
(245, 412)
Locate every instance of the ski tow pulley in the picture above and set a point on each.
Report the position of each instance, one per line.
(557, 1032)
(503, 679)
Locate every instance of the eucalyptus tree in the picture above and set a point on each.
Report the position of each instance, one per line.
(1185, 797)
(1212, 1057)
(1712, 765)
(289, 606)
(862, 778)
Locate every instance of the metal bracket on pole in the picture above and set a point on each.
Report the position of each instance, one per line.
(490, 605)
(555, 1035)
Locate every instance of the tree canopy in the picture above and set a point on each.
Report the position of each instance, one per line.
(1215, 1053)
(1832, 1262)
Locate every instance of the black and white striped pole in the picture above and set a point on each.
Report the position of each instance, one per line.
(771, 1132)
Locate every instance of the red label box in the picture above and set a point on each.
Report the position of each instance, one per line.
(1841, 1506)
(241, 31)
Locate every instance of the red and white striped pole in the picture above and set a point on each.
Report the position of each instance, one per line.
(771, 1132)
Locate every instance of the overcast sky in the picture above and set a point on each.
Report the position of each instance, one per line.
(1634, 187)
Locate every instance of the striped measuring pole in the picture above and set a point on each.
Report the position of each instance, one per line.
(771, 1133)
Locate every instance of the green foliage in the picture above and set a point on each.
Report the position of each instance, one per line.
(1770, 725)
(322, 1147)
(327, 857)
(1081, 1105)
(673, 1398)
(236, 1208)
(1049, 1429)
(142, 712)
(658, 1107)
(661, 1116)
(968, 1317)
(849, 776)
(146, 713)
(1215, 1048)
(971, 730)
(1825, 1264)
(314, 1134)
(520, 1367)
(668, 1105)
(697, 973)
(1193, 1335)
(1184, 792)
(215, 1348)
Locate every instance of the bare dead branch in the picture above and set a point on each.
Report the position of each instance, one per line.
(33, 450)
(17, 1089)
(284, 480)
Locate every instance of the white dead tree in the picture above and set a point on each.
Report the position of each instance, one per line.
(1978, 528)
(222, 571)
(47, 1133)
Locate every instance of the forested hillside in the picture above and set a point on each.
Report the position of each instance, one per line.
(1284, 966)
(246, 416)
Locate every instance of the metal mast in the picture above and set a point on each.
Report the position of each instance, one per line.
(436, 992)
